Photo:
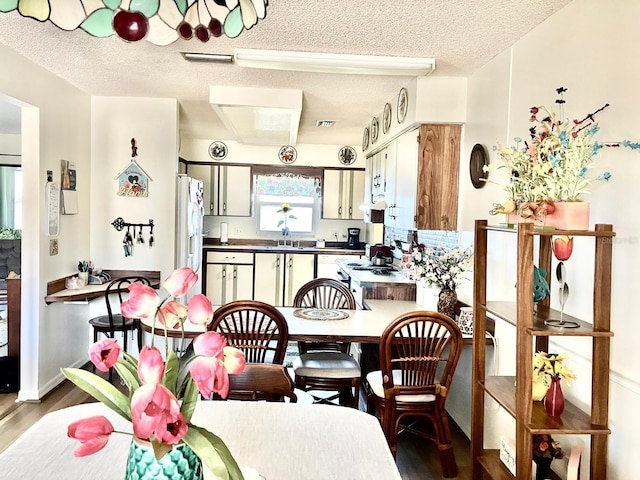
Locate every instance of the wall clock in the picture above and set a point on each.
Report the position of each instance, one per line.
(386, 118)
(477, 161)
(403, 104)
(347, 155)
(375, 128)
(217, 150)
(287, 154)
(365, 139)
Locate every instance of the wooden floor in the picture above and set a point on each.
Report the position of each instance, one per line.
(417, 458)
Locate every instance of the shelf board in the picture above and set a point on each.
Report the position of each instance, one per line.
(572, 421)
(551, 231)
(493, 466)
(507, 311)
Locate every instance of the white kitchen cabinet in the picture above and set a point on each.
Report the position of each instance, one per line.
(269, 278)
(229, 277)
(405, 174)
(343, 193)
(227, 188)
(298, 271)
(378, 174)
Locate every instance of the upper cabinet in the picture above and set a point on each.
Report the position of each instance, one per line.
(227, 188)
(343, 193)
(438, 177)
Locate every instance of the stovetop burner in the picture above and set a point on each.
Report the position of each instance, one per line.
(381, 271)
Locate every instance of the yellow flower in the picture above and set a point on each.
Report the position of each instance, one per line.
(546, 366)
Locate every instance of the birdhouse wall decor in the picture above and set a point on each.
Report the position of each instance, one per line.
(133, 181)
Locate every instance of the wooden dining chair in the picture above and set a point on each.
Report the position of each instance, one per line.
(116, 293)
(327, 366)
(262, 381)
(258, 329)
(419, 352)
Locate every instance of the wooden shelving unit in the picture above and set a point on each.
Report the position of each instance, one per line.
(530, 416)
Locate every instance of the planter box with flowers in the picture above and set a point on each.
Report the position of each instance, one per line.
(548, 175)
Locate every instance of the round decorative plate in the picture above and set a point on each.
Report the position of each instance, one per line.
(477, 161)
(217, 150)
(347, 155)
(365, 139)
(287, 154)
(320, 314)
(386, 118)
(403, 105)
(375, 129)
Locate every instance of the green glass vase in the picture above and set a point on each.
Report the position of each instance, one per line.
(181, 463)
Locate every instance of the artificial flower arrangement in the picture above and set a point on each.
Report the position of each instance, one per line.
(547, 366)
(544, 446)
(552, 166)
(285, 208)
(158, 405)
(441, 267)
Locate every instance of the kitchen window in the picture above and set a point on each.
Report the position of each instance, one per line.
(301, 192)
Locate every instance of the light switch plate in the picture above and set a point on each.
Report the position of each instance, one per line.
(508, 455)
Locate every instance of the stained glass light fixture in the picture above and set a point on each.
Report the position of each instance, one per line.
(160, 22)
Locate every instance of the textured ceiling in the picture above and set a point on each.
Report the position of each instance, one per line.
(461, 35)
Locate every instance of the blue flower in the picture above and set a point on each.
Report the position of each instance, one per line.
(563, 139)
(605, 176)
(582, 171)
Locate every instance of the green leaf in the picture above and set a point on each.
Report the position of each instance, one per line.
(128, 374)
(293, 217)
(99, 389)
(133, 361)
(280, 223)
(171, 371)
(190, 399)
(213, 453)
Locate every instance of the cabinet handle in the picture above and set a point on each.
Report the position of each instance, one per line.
(211, 207)
(350, 212)
(235, 273)
(290, 262)
(224, 207)
(340, 211)
(224, 273)
(278, 262)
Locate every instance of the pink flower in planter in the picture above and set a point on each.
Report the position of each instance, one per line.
(213, 362)
(180, 281)
(172, 314)
(104, 354)
(563, 247)
(200, 310)
(153, 407)
(143, 302)
(150, 365)
(93, 433)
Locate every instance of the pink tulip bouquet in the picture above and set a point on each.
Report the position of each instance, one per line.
(159, 404)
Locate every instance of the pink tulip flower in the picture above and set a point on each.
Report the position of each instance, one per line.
(172, 314)
(210, 344)
(200, 310)
(149, 406)
(234, 361)
(180, 281)
(171, 429)
(563, 247)
(210, 376)
(93, 433)
(143, 302)
(150, 365)
(104, 354)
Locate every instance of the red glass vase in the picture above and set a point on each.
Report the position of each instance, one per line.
(554, 399)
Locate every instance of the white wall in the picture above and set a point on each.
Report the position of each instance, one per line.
(55, 126)
(589, 47)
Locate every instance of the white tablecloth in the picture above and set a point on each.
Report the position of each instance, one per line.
(281, 441)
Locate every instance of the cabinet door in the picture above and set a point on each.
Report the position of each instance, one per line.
(356, 197)
(229, 282)
(406, 187)
(269, 273)
(333, 194)
(438, 177)
(299, 270)
(216, 283)
(235, 194)
(241, 283)
(390, 167)
(204, 173)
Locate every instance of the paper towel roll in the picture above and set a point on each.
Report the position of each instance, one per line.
(224, 232)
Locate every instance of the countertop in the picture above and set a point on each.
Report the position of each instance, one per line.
(282, 249)
(363, 277)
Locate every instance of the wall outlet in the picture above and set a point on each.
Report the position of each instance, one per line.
(237, 230)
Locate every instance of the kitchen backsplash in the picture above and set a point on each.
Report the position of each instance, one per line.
(430, 238)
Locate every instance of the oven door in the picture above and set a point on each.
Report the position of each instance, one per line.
(343, 277)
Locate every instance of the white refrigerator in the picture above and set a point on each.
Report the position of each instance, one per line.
(189, 217)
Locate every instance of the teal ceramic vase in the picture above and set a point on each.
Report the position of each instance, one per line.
(181, 463)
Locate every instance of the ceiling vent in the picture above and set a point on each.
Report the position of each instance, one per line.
(325, 123)
(259, 116)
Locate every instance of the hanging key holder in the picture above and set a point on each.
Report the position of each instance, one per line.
(127, 243)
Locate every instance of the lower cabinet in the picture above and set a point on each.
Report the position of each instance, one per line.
(229, 277)
(269, 278)
(299, 269)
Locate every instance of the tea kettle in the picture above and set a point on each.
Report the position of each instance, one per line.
(379, 260)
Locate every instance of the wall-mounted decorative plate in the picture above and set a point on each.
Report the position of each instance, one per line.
(365, 139)
(375, 129)
(403, 105)
(217, 150)
(386, 118)
(477, 161)
(347, 155)
(287, 154)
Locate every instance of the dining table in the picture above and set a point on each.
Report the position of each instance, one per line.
(279, 441)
